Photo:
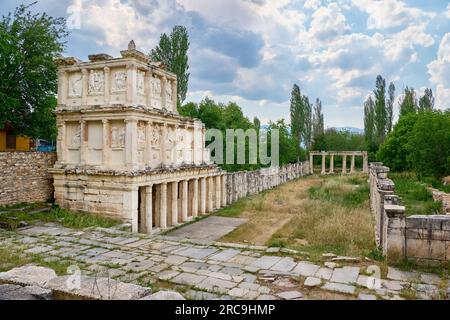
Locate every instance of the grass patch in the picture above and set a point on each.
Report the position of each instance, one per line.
(76, 220)
(13, 257)
(233, 210)
(314, 215)
(414, 194)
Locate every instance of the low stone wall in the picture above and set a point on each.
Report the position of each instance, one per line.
(244, 183)
(24, 177)
(423, 238)
(443, 197)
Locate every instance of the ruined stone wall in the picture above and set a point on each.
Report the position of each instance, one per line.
(245, 183)
(24, 177)
(423, 238)
(443, 197)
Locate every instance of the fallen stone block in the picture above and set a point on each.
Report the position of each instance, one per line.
(28, 275)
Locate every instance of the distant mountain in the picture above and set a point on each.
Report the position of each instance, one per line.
(351, 129)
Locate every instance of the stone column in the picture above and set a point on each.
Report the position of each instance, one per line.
(174, 217)
(107, 71)
(202, 196)
(130, 207)
(323, 164)
(149, 208)
(174, 96)
(218, 192)
(344, 164)
(106, 144)
(195, 198)
(352, 164)
(224, 190)
(332, 163)
(85, 86)
(365, 163)
(131, 151)
(210, 195)
(311, 163)
(163, 92)
(83, 146)
(184, 201)
(163, 206)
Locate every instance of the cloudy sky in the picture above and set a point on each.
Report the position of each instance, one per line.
(252, 51)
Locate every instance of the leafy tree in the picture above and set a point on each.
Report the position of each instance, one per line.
(189, 110)
(380, 110)
(172, 50)
(409, 102)
(426, 102)
(429, 144)
(394, 151)
(287, 147)
(256, 123)
(318, 121)
(369, 121)
(297, 117)
(390, 107)
(28, 44)
(307, 134)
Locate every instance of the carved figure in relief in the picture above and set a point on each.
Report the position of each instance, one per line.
(140, 82)
(141, 136)
(168, 91)
(75, 86)
(117, 137)
(155, 138)
(156, 87)
(120, 81)
(96, 81)
(76, 138)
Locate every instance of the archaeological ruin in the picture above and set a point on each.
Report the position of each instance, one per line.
(344, 155)
(124, 151)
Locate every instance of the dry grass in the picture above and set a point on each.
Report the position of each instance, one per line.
(315, 215)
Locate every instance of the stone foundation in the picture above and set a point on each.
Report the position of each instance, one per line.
(423, 238)
(24, 177)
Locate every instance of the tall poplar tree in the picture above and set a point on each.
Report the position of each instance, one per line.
(369, 121)
(409, 102)
(390, 107)
(380, 110)
(426, 102)
(297, 118)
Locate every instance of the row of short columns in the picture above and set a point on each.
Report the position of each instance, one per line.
(199, 196)
(344, 162)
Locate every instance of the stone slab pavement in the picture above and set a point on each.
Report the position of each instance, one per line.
(207, 230)
(214, 270)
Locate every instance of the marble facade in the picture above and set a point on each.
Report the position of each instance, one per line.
(122, 148)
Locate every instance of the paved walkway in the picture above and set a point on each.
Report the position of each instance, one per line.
(207, 230)
(219, 271)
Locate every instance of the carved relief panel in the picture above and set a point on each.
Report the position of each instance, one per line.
(140, 82)
(96, 82)
(155, 141)
(117, 135)
(119, 79)
(155, 93)
(73, 141)
(75, 85)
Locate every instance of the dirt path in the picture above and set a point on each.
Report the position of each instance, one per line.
(269, 212)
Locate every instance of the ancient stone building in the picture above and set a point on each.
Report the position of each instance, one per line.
(124, 151)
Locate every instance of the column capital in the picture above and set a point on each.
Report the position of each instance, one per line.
(107, 69)
(105, 121)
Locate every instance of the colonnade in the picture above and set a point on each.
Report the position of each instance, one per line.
(344, 155)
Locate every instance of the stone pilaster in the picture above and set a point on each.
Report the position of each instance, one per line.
(164, 136)
(148, 87)
(62, 87)
(107, 71)
(61, 149)
(83, 146)
(85, 87)
(148, 144)
(106, 144)
(131, 146)
(131, 83)
(163, 92)
(184, 201)
(174, 96)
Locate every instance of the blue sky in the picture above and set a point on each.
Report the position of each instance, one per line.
(253, 51)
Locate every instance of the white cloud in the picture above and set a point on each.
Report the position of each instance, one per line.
(313, 4)
(328, 23)
(447, 13)
(439, 71)
(391, 13)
